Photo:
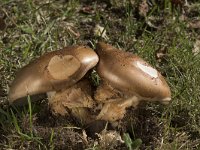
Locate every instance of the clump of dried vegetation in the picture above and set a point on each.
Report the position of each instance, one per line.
(165, 33)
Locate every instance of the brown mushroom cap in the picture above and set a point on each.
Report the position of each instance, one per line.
(52, 71)
(131, 74)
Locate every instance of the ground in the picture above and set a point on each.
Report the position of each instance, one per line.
(164, 33)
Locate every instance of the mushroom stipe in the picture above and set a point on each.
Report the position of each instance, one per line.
(126, 80)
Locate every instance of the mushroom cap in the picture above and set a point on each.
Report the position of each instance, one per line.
(131, 74)
(52, 71)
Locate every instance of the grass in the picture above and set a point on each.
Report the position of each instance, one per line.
(35, 27)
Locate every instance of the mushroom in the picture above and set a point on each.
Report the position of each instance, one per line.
(55, 73)
(126, 81)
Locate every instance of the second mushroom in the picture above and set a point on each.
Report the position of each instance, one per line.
(126, 80)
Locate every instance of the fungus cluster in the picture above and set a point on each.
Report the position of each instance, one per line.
(126, 79)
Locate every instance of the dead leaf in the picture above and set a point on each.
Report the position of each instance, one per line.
(109, 138)
(149, 22)
(161, 54)
(84, 137)
(75, 33)
(194, 24)
(196, 49)
(143, 8)
(100, 31)
(87, 10)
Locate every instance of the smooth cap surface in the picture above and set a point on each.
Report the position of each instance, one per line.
(53, 71)
(131, 74)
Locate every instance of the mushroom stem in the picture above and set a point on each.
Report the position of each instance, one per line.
(115, 109)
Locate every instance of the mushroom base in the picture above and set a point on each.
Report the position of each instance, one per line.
(114, 110)
(74, 101)
(114, 102)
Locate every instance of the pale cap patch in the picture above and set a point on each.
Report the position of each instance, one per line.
(61, 67)
(148, 70)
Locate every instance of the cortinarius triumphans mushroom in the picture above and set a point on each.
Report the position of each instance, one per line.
(126, 80)
(55, 73)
